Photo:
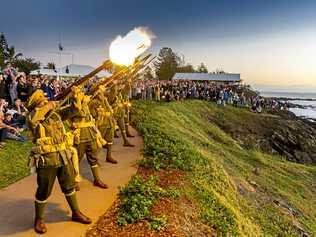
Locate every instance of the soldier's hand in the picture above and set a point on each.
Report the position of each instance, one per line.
(75, 90)
(52, 104)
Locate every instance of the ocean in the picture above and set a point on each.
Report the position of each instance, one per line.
(304, 103)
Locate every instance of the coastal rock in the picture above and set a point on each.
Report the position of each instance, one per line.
(275, 132)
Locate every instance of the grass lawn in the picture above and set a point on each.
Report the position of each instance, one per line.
(13, 162)
(239, 192)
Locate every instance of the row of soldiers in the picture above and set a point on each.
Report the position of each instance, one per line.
(63, 133)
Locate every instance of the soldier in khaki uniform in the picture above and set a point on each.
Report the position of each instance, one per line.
(51, 157)
(87, 137)
(126, 91)
(103, 114)
(116, 101)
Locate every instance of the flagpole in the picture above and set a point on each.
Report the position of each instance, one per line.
(59, 50)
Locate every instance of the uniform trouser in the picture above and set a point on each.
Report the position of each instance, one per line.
(75, 162)
(108, 133)
(121, 122)
(90, 149)
(46, 178)
(45, 181)
(126, 115)
(126, 120)
(121, 125)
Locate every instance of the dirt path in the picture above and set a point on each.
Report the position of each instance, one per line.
(16, 201)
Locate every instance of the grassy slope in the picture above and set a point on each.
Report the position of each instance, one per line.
(13, 162)
(231, 197)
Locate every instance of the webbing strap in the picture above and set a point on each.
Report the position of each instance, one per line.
(39, 201)
(70, 194)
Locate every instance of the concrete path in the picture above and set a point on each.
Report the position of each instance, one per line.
(17, 200)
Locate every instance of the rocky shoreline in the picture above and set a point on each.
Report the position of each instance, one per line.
(293, 103)
(275, 131)
(290, 98)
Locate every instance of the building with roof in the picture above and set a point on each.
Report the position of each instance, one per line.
(70, 71)
(220, 78)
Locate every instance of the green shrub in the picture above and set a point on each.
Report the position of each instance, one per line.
(158, 223)
(137, 198)
(173, 192)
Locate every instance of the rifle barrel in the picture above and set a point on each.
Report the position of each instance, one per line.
(83, 80)
(119, 74)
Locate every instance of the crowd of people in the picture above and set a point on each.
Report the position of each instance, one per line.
(236, 95)
(15, 89)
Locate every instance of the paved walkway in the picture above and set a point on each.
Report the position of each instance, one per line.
(17, 200)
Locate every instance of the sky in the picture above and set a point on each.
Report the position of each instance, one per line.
(272, 43)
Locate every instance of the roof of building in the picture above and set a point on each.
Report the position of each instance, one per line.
(222, 77)
(75, 70)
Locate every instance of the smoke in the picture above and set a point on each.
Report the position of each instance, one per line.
(124, 49)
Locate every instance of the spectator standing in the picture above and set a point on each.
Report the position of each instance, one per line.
(138, 92)
(157, 92)
(55, 88)
(2, 87)
(48, 90)
(22, 89)
(143, 92)
(12, 86)
(149, 92)
(235, 99)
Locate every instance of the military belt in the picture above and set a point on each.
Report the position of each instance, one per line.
(44, 149)
(83, 124)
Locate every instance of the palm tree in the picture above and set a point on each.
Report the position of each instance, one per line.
(11, 57)
(51, 66)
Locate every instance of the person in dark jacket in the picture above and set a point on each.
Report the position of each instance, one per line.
(48, 90)
(22, 88)
(2, 87)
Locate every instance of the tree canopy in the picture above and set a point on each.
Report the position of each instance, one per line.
(8, 55)
(148, 73)
(166, 64)
(202, 68)
(26, 64)
(186, 68)
(169, 63)
(51, 65)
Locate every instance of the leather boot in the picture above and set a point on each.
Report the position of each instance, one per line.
(126, 142)
(97, 181)
(39, 226)
(78, 216)
(100, 184)
(111, 160)
(109, 157)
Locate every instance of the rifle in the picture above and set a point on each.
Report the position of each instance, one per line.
(106, 65)
(120, 73)
(136, 70)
